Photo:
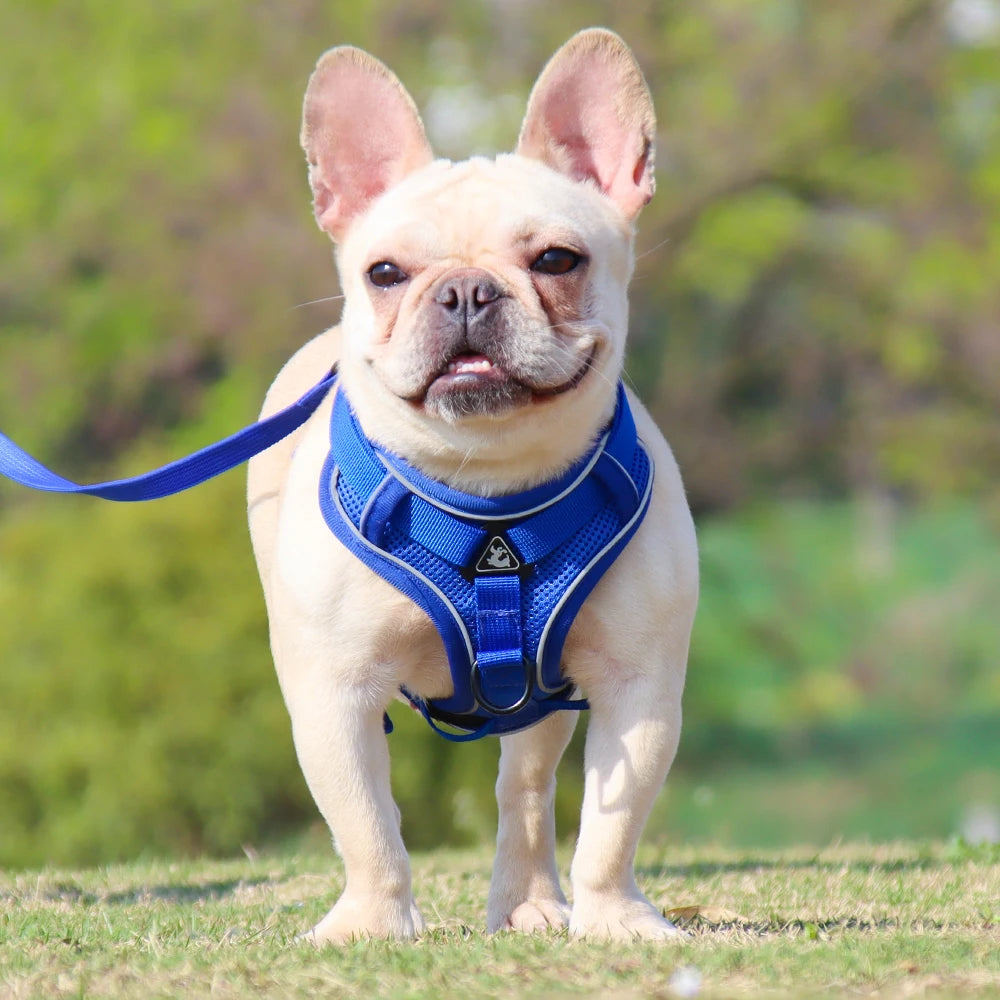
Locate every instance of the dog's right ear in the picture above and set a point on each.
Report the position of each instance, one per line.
(361, 134)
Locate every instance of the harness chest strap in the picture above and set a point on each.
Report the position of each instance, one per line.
(501, 578)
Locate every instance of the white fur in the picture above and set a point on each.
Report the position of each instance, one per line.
(344, 640)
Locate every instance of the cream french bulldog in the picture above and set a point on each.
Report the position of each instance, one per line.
(482, 340)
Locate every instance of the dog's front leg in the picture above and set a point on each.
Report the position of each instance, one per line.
(524, 892)
(342, 749)
(631, 741)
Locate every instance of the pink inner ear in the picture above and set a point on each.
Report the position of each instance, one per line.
(592, 119)
(585, 128)
(362, 135)
(597, 144)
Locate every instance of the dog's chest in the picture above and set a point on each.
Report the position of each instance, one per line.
(413, 647)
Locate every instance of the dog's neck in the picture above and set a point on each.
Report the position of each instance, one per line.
(489, 456)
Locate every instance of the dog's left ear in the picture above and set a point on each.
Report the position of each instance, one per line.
(590, 116)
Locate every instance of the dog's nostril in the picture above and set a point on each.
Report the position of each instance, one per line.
(471, 293)
(448, 297)
(484, 293)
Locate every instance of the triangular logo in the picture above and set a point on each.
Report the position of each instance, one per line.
(498, 557)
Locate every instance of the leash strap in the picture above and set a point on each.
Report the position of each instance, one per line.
(18, 465)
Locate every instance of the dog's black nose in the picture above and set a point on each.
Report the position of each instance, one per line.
(466, 292)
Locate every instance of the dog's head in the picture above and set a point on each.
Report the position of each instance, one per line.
(485, 301)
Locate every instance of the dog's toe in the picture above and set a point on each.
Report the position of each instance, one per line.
(625, 920)
(351, 921)
(538, 915)
(530, 916)
(418, 921)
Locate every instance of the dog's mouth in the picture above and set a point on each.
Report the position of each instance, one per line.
(473, 383)
(468, 369)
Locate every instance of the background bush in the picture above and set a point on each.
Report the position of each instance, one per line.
(141, 714)
(814, 326)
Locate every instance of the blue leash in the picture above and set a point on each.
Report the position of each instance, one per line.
(17, 464)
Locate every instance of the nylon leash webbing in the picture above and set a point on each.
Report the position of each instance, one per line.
(175, 477)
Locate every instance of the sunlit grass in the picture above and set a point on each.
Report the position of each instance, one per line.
(849, 919)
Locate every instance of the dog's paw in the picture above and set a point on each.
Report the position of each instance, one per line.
(625, 919)
(530, 916)
(355, 920)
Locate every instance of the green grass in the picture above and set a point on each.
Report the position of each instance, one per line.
(850, 919)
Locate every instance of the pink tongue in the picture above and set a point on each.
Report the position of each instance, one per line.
(469, 364)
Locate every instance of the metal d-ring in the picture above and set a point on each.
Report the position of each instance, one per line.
(476, 683)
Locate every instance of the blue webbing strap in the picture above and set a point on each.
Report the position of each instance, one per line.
(486, 727)
(504, 685)
(541, 534)
(18, 465)
(440, 533)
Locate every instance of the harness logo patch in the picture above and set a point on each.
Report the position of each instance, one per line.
(498, 557)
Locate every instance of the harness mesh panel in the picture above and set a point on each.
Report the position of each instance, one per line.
(453, 586)
(545, 585)
(353, 505)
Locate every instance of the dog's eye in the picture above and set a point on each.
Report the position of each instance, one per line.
(557, 260)
(385, 274)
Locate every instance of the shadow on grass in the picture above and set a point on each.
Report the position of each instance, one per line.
(703, 868)
(956, 851)
(816, 929)
(179, 894)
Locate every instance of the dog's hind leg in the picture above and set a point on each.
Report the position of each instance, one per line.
(524, 893)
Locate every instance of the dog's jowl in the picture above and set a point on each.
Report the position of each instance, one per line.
(480, 519)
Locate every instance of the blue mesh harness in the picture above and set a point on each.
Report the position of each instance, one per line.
(502, 578)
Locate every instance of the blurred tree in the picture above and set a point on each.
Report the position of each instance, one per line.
(815, 314)
(828, 230)
(815, 308)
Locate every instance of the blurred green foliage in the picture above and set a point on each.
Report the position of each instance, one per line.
(815, 326)
(816, 298)
(140, 713)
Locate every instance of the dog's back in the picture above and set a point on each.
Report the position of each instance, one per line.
(267, 472)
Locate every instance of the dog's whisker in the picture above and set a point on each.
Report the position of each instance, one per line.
(629, 381)
(600, 374)
(651, 250)
(313, 302)
(572, 360)
(466, 458)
